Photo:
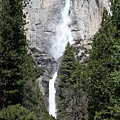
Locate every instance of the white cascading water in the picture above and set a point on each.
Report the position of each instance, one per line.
(52, 91)
(63, 35)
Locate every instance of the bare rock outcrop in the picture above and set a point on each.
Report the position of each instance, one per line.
(48, 64)
(86, 18)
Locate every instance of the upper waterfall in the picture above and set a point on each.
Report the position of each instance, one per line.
(63, 33)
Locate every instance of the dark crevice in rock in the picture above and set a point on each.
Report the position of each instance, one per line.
(97, 3)
(49, 31)
(74, 30)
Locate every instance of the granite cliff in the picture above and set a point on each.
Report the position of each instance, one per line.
(43, 16)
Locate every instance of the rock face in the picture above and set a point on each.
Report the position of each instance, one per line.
(82, 48)
(46, 62)
(43, 16)
(86, 17)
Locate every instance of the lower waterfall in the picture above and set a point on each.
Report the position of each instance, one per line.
(52, 91)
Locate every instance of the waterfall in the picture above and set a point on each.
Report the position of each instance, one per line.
(52, 91)
(63, 35)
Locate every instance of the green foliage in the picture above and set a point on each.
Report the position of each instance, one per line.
(17, 72)
(68, 66)
(116, 15)
(13, 52)
(33, 100)
(16, 112)
(99, 78)
(70, 102)
(38, 72)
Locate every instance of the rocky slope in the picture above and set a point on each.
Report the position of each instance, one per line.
(48, 64)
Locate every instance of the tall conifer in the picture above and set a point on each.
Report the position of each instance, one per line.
(13, 52)
(69, 92)
(102, 63)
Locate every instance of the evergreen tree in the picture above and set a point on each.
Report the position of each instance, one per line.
(116, 16)
(69, 92)
(33, 100)
(115, 75)
(17, 72)
(13, 52)
(16, 112)
(102, 62)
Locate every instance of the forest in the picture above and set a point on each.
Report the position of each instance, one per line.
(96, 81)
(20, 96)
(86, 91)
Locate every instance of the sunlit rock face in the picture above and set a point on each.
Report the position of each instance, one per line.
(43, 16)
(86, 17)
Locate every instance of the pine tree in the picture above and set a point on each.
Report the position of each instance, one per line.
(16, 112)
(17, 72)
(115, 75)
(69, 92)
(102, 62)
(116, 16)
(13, 52)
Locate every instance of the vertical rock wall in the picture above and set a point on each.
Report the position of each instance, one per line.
(42, 17)
(86, 18)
